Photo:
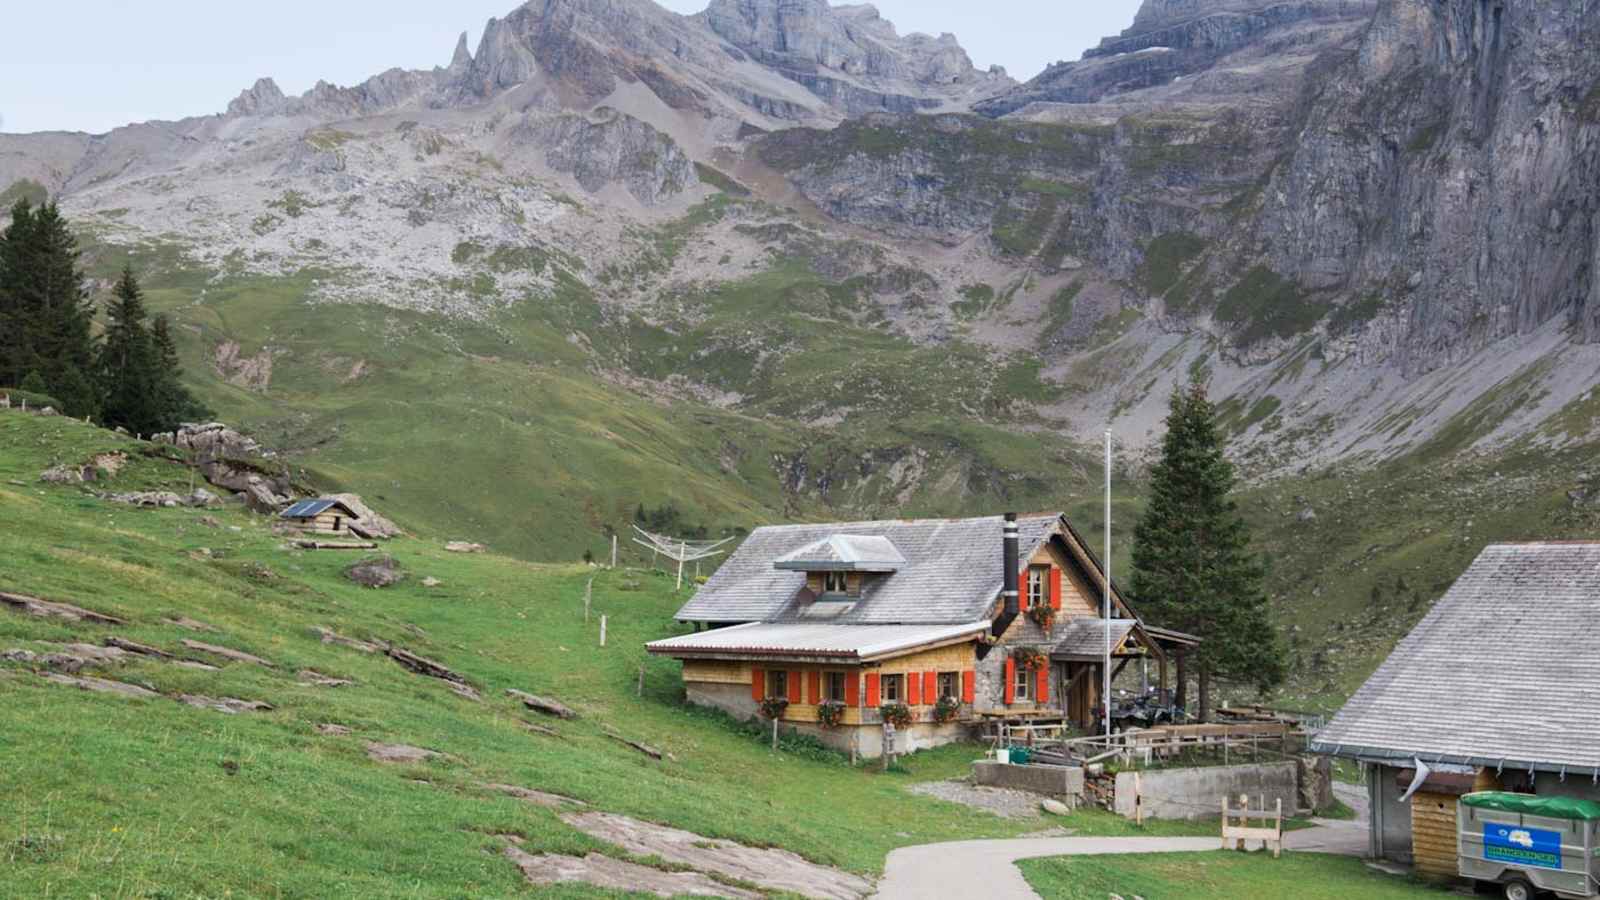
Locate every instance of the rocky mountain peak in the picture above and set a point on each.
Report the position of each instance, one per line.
(262, 98)
(462, 58)
(852, 40)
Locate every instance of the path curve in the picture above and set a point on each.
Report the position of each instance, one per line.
(985, 868)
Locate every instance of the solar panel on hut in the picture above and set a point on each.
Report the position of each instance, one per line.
(324, 515)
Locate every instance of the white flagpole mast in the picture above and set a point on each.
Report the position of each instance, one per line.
(1105, 696)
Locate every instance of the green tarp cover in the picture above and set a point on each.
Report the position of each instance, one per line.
(1531, 805)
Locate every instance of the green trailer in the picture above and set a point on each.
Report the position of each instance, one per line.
(1521, 842)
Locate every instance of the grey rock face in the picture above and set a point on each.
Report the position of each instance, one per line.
(612, 148)
(1458, 152)
(849, 56)
(1173, 39)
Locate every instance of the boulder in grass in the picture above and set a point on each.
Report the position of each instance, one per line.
(464, 547)
(1054, 807)
(377, 572)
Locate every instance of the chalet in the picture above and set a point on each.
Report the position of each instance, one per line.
(958, 621)
(1497, 688)
(325, 515)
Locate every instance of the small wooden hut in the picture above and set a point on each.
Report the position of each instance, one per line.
(325, 515)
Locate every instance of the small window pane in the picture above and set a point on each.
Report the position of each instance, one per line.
(891, 688)
(778, 683)
(949, 685)
(1024, 683)
(833, 686)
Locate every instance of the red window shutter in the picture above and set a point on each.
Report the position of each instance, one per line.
(1055, 588)
(1043, 688)
(1011, 680)
(758, 685)
(1022, 593)
(794, 687)
(913, 689)
(872, 688)
(816, 687)
(852, 688)
(930, 687)
(969, 686)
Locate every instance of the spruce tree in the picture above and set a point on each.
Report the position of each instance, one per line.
(1192, 567)
(129, 361)
(177, 404)
(45, 313)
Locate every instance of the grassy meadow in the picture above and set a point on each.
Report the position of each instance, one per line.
(1218, 876)
(113, 796)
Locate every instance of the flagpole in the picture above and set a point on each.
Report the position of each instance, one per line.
(1105, 669)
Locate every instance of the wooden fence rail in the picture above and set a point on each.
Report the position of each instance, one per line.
(1236, 827)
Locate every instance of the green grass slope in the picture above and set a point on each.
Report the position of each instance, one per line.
(1217, 876)
(151, 798)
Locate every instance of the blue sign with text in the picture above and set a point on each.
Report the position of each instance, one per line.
(1522, 846)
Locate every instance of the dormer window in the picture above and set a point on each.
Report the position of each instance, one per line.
(835, 583)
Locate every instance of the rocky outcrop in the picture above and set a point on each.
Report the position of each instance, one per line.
(1172, 40)
(1454, 161)
(850, 55)
(609, 148)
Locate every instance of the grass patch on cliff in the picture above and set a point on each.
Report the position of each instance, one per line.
(1264, 304)
(24, 189)
(1164, 259)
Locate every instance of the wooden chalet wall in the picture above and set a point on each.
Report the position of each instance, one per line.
(1433, 828)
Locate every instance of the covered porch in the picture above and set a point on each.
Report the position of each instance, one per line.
(1077, 663)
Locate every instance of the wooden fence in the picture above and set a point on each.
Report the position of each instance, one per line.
(1236, 827)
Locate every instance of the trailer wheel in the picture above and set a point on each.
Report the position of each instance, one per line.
(1517, 889)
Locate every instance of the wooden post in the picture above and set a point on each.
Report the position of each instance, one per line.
(1181, 692)
(1244, 812)
(1277, 845)
(1138, 802)
(613, 551)
(588, 595)
(683, 550)
(774, 734)
(602, 631)
(1224, 821)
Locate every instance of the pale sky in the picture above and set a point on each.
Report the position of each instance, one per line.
(96, 64)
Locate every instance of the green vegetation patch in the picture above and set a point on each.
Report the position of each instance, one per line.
(1058, 312)
(1264, 304)
(1218, 875)
(975, 300)
(720, 180)
(24, 189)
(1018, 231)
(1165, 258)
(292, 204)
(1351, 316)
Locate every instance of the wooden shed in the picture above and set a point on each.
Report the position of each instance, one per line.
(324, 515)
(1433, 815)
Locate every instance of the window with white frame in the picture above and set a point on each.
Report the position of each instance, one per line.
(1038, 585)
(1023, 689)
(835, 583)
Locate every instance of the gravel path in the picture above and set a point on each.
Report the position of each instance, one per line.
(1002, 802)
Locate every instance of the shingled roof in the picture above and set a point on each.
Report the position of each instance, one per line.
(1504, 671)
(952, 573)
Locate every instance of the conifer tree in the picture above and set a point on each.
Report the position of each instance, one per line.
(177, 404)
(129, 362)
(1192, 567)
(45, 313)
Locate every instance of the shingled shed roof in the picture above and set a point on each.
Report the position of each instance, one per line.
(1504, 671)
(1084, 637)
(952, 573)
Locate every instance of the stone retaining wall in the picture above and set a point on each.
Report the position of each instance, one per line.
(1062, 782)
(1197, 793)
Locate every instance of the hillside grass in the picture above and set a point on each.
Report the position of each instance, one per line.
(122, 797)
(1217, 876)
